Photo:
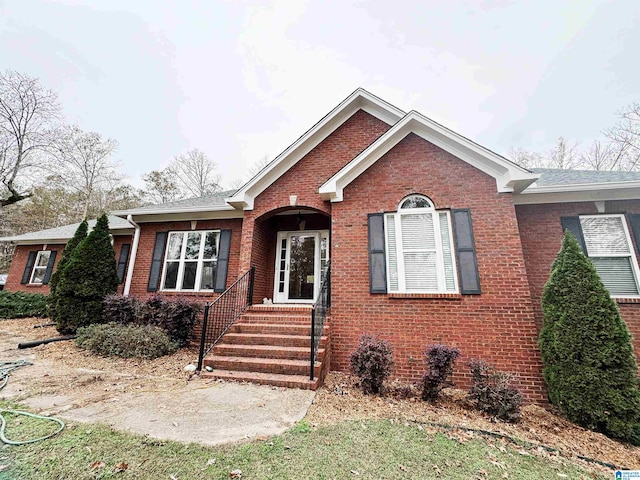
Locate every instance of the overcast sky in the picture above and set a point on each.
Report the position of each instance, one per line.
(243, 79)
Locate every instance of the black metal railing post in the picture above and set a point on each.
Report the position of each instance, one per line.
(205, 321)
(252, 277)
(318, 317)
(313, 353)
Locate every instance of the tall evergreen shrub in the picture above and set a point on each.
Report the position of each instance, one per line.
(79, 235)
(90, 275)
(586, 348)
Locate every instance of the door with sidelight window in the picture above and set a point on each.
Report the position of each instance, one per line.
(301, 257)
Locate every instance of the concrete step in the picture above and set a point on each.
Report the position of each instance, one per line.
(289, 381)
(278, 366)
(270, 339)
(265, 351)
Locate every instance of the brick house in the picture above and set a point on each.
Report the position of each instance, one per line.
(430, 237)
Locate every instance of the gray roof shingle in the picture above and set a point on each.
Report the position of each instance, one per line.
(214, 200)
(64, 233)
(557, 177)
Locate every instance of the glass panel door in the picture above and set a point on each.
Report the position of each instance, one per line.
(302, 266)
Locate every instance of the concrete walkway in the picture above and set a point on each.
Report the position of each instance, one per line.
(205, 412)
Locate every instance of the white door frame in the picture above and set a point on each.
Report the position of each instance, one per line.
(283, 297)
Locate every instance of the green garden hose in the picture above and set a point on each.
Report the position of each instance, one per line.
(5, 369)
(3, 427)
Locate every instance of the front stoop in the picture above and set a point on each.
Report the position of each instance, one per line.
(270, 345)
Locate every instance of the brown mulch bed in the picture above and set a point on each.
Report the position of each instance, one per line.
(340, 399)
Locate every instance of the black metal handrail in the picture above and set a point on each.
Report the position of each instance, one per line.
(319, 316)
(224, 311)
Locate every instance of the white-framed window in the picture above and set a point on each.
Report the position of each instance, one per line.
(609, 247)
(40, 267)
(190, 261)
(420, 255)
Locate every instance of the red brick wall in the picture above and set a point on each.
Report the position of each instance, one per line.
(497, 325)
(19, 261)
(541, 236)
(148, 231)
(303, 180)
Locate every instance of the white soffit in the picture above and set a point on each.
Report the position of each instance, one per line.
(509, 176)
(358, 100)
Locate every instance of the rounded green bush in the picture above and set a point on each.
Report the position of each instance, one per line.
(114, 339)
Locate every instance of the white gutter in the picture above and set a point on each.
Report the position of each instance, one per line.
(132, 255)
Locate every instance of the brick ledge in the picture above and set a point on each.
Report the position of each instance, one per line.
(627, 300)
(434, 296)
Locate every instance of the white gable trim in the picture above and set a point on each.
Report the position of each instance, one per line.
(509, 176)
(358, 100)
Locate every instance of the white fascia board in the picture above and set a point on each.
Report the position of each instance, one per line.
(163, 211)
(358, 100)
(509, 176)
(584, 192)
(186, 216)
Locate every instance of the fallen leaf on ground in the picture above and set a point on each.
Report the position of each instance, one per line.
(121, 467)
(235, 473)
(97, 464)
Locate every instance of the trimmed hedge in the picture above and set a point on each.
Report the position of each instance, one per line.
(22, 305)
(176, 316)
(125, 341)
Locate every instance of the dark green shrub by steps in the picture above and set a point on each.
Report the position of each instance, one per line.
(79, 235)
(22, 305)
(589, 366)
(176, 316)
(125, 341)
(90, 275)
(372, 362)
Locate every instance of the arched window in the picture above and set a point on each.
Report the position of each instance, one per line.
(419, 250)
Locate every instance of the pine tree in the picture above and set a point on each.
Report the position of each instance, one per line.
(90, 275)
(589, 365)
(78, 236)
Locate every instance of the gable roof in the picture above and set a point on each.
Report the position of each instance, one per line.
(117, 226)
(358, 100)
(509, 176)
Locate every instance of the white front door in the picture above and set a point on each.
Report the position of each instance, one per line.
(300, 258)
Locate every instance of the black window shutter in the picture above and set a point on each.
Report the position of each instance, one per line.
(122, 260)
(573, 225)
(31, 259)
(466, 252)
(49, 270)
(156, 261)
(377, 260)
(223, 261)
(634, 220)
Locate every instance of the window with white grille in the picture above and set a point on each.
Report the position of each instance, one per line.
(419, 248)
(190, 261)
(609, 247)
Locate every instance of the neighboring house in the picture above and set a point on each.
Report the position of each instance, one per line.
(431, 238)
